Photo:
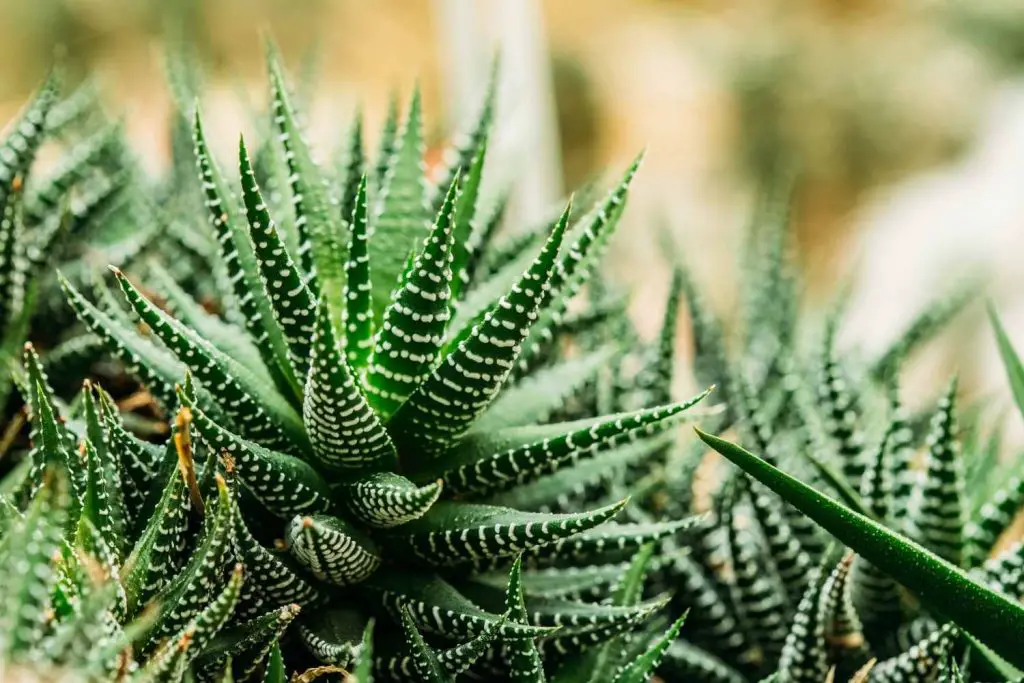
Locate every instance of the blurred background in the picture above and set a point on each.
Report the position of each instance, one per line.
(905, 119)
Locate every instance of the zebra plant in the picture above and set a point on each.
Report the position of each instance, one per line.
(372, 426)
(767, 592)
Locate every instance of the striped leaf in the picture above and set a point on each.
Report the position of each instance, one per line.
(409, 341)
(401, 217)
(384, 500)
(506, 469)
(985, 614)
(345, 432)
(237, 253)
(445, 404)
(332, 549)
(291, 301)
(283, 483)
(322, 241)
(937, 508)
(263, 415)
(358, 287)
(452, 533)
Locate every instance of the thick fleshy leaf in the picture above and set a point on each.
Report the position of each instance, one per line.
(285, 484)
(937, 507)
(185, 597)
(29, 574)
(160, 550)
(445, 404)
(291, 301)
(525, 665)
(273, 581)
(641, 669)
(358, 294)
(401, 218)
(438, 607)
(333, 635)
(424, 658)
(537, 396)
(247, 647)
(982, 612)
(351, 167)
(238, 255)
(591, 237)
(224, 335)
(385, 499)
(322, 241)
(345, 432)
(1011, 361)
(453, 532)
(408, 343)
(260, 411)
(505, 469)
(332, 549)
(466, 220)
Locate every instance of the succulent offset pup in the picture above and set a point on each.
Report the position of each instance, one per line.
(365, 436)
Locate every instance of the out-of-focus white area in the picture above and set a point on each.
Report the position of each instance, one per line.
(917, 238)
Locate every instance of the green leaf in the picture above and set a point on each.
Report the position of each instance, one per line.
(275, 667)
(160, 550)
(444, 405)
(237, 252)
(345, 432)
(332, 635)
(157, 369)
(259, 411)
(401, 219)
(362, 672)
(285, 484)
(1011, 361)
(358, 287)
(75, 166)
(437, 606)
(208, 623)
(247, 647)
(509, 468)
(452, 532)
(274, 583)
(937, 506)
(591, 237)
(524, 662)
(384, 500)
(322, 242)
(984, 613)
(536, 397)
(28, 575)
(424, 659)
(223, 335)
(465, 219)
(386, 146)
(408, 343)
(333, 549)
(12, 228)
(291, 301)
(469, 148)
(184, 598)
(351, 169)
(641, 669)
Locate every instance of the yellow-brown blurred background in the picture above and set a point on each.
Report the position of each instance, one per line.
(904, 117)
